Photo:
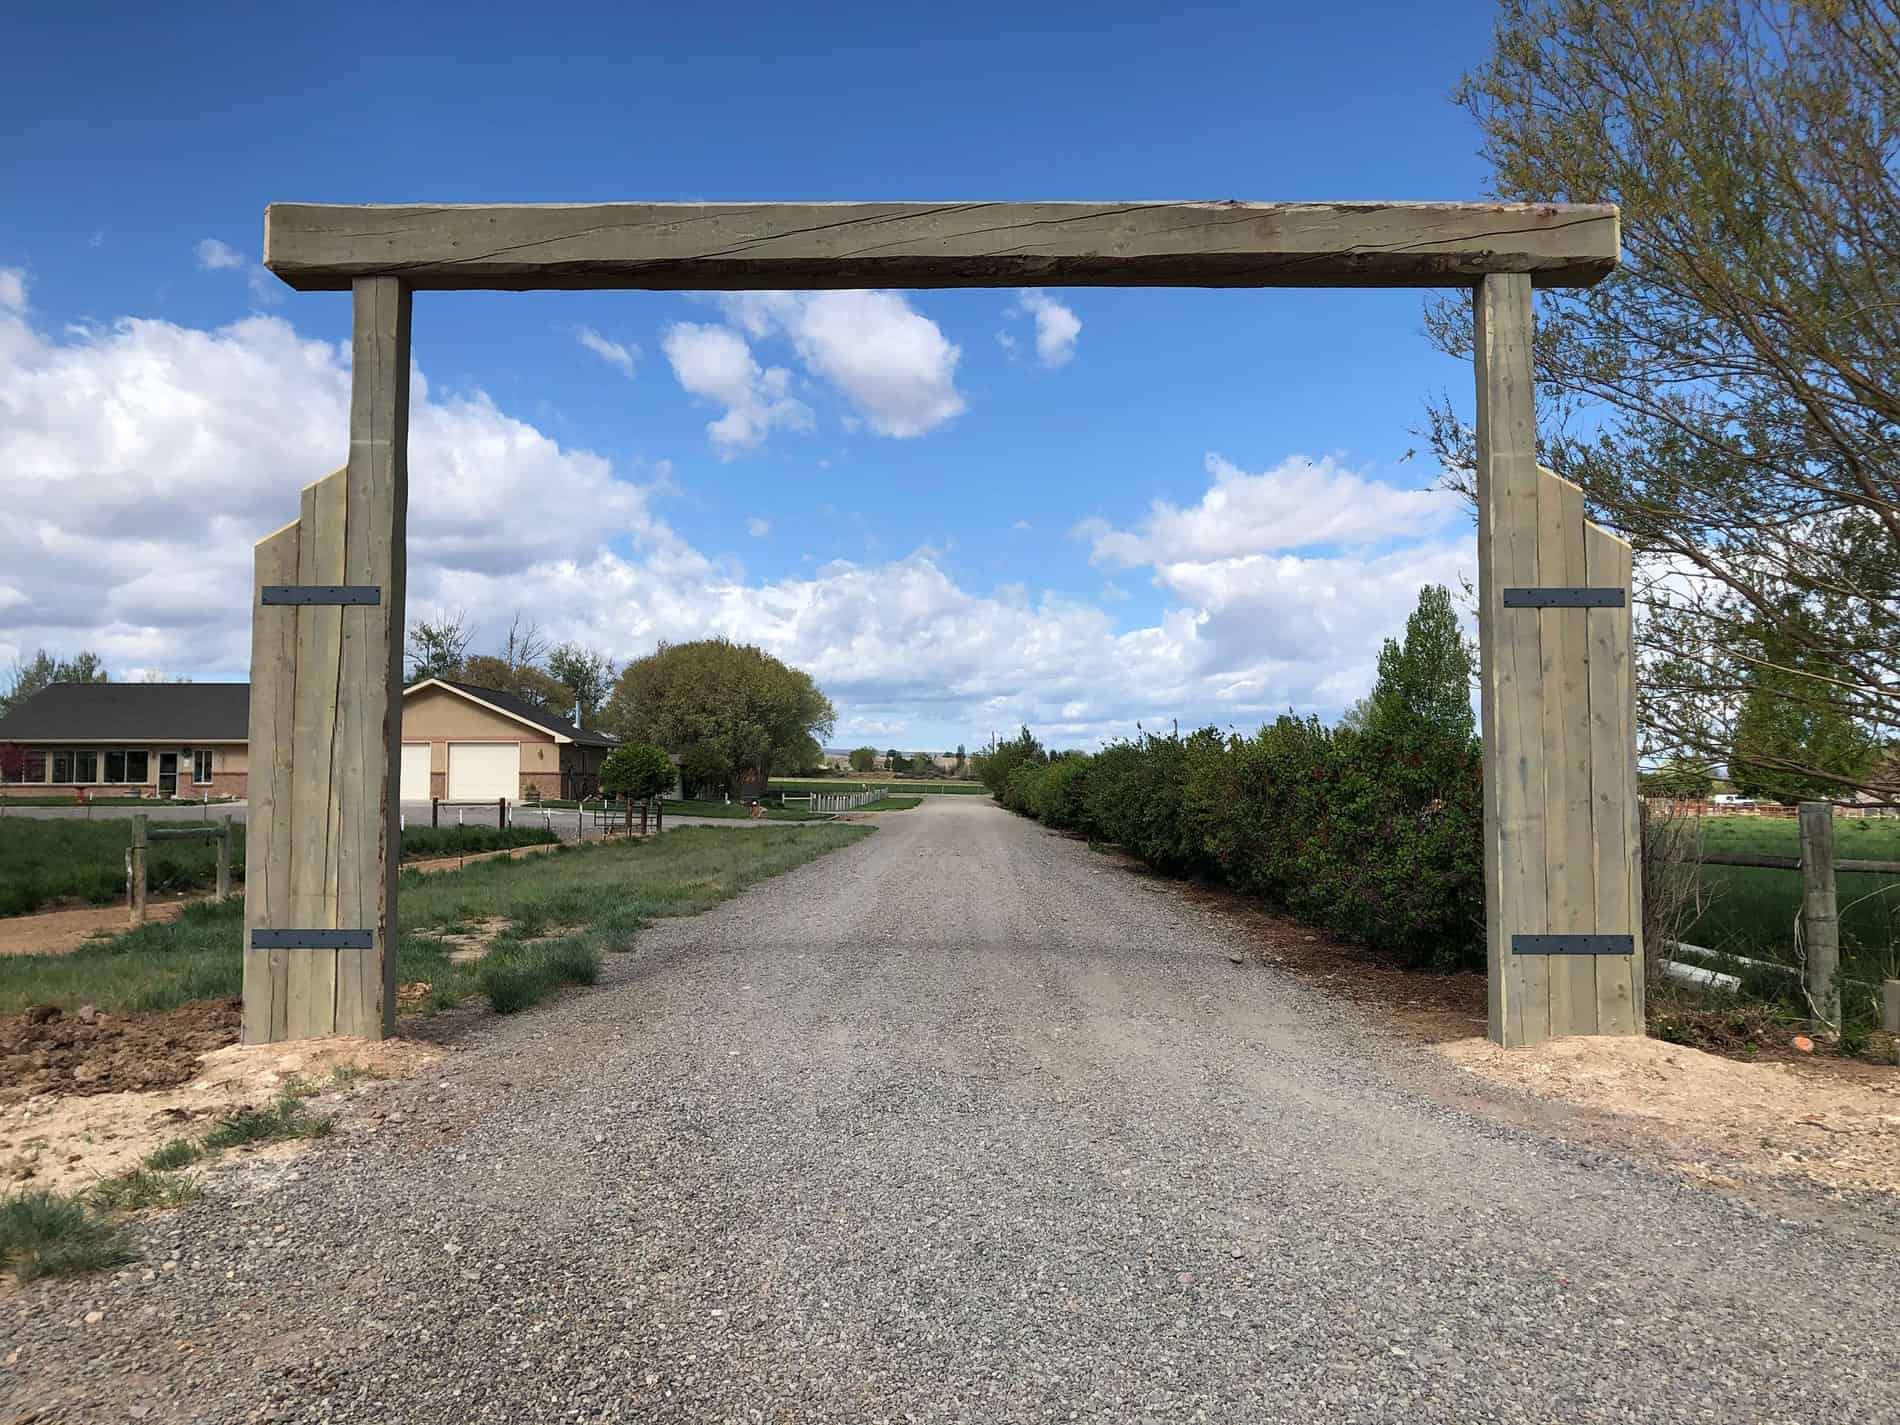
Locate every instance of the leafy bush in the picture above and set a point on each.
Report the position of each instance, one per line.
(1375, 834)
(638, 771)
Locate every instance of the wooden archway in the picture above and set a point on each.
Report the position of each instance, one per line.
(1562, 883)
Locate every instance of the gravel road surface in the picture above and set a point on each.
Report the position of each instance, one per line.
(960, 1124)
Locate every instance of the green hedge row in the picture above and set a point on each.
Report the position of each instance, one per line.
(1375, 835)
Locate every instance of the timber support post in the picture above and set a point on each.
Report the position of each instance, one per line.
(324, 835)
(1562, 850)
(1820, 917)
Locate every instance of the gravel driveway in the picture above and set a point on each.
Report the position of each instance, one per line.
(959, 1124)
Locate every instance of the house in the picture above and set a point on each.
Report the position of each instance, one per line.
(465, 743)
(128, 739)
(459, 742)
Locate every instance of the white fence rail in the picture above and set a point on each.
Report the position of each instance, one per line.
(834, 801)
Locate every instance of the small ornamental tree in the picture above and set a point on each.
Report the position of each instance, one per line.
(639, 772)
(12, 762)
(863, 759)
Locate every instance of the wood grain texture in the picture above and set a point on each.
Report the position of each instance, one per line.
(1570, 849)
(732, 246)
(267, 819)
(313, 789)
(1615, 827)
(1820, 914)
(369, 741)
(1510, 660)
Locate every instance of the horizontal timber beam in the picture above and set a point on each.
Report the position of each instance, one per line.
(739, 246)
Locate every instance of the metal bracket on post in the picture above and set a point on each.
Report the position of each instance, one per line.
(1573, 944)
(1564, 598)
(313, 939)
(1570, 597)
(307, 594)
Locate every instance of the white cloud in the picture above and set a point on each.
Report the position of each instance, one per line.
(1020, 525)
(12, 289)
(1056, 327)
(215, 255)
(758, 528)
(1296, 505)
(893, 364)
(611, 352)
(145, 458)
(715, 364)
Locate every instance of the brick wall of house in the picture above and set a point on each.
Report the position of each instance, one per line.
(547, 783)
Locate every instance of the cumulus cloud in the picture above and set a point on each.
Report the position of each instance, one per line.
(758, 528)
(12, 289)
(892, 364)
(1056, 327)
(611, 352)
(1297, 504)
(715, 363)
(215, 255)
(145, 458)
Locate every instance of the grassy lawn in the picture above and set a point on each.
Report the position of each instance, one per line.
(737, 811)
(6, 802)
(851, 784)
(1754, 910)
(891, 804)
(44, 860)
(561, 911)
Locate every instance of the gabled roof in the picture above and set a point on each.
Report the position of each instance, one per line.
(521, 710)
(132, 712)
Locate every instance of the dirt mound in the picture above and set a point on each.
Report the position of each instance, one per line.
(67, 1142)
(47, 1050)
(1839, 1129)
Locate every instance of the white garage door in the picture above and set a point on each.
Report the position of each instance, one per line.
(415, 772)
(483, 771)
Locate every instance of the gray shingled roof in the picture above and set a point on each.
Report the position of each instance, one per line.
(132, 712)
(534, 713)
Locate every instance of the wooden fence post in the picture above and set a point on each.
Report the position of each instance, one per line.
(435, 812)
(1820, 919)
(137, 886)
(224, 859)
(1890, 1006)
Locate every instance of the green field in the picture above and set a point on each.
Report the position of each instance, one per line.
(1754, 910)
(737, 811)
(801, 786)
(45, 860)
(589, 899)
(904, 803)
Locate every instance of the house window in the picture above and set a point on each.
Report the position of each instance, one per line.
(85, 766)
(122, 767)
(201, 767)
(18, 764)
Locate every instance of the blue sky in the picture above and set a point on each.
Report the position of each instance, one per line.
(955, 529)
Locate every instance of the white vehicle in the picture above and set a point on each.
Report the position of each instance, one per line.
(1732, 799)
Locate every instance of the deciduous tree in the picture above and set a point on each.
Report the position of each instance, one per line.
(1729, 399)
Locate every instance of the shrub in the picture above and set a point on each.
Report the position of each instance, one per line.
(43, 1234)
(638, 771)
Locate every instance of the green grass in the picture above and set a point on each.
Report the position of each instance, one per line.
(735, 811)
(49, 1234)
(599, 894)
(286, 1117)
(1754, 910)
(891, 804)
(44, 860)
(179, 1153)
(850, 784)
(6, 802)
(145, 1187)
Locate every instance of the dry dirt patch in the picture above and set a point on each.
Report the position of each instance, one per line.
(59, 932)
(1727, 1119)
(47, 1050)
(69, 1142)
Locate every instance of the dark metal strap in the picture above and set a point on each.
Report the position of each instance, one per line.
(1573, 944)
(322, 594)
(313, 939)
(1564, 598)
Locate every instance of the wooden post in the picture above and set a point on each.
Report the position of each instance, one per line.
(643, 816)
(140, 842)
(224, 858)
(1890, 1006)
(324, 836)
(435, 812)
(1820, 921)
(501, 813)
(1511, 674)
(1562, 841)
